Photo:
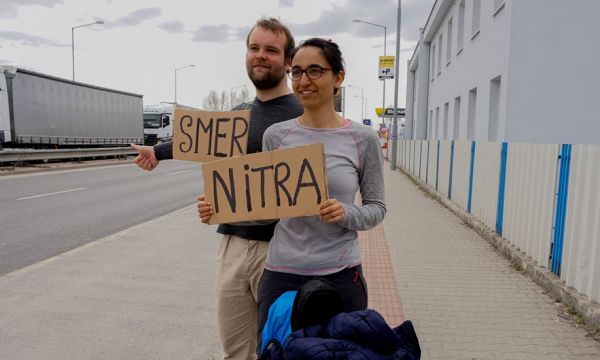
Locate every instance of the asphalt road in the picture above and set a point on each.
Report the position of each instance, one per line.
(45, 214)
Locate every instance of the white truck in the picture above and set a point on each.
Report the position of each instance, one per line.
(158, 122)
(44, 111)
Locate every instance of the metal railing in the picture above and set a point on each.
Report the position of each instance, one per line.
(20, 155)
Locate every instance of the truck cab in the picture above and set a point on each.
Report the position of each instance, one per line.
(158, 123)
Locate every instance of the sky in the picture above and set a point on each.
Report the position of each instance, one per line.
(142, 42)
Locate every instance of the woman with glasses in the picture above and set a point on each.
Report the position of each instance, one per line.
(325, 245)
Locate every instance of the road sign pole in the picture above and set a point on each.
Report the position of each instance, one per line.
(395, 119)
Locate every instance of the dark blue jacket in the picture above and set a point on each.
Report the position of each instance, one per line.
(359, 335)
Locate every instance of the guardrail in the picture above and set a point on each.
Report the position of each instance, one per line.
(11, 156)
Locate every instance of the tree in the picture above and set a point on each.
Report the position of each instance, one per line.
(242, 97)
(215, 101)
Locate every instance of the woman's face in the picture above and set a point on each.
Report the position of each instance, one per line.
(312, 90)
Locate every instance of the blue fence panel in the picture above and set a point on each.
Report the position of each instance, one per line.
(471, 176)
(437, 166)
(501, 187)
(451, 169)
(561, 209)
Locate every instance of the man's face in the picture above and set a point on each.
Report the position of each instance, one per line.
(265, 58)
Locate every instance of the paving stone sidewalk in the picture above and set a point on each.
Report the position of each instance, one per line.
(466, 300)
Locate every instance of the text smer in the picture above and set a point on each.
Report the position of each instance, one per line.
(206, 136)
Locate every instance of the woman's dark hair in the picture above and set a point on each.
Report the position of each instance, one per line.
(329, 49)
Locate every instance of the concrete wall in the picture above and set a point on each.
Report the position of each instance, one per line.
(554, 72)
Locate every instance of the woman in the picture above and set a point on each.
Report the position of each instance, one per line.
(325, 245)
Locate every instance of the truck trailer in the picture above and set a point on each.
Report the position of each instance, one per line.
(43, 111)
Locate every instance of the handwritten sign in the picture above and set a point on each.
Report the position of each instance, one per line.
(209, 135)
(268, 185)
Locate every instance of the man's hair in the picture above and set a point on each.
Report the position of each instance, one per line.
(275, 26)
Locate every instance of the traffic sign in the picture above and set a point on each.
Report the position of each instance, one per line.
(387, 67)
(367, 122)
(389, 112)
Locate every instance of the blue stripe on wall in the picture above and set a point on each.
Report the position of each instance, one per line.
(561, 209)
(451, 170)
(471, 177)
(437, 166)
(501, 187)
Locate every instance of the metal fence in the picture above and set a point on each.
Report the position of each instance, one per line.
(543, 198)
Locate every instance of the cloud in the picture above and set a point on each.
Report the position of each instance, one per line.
(173, 26)
(134, 18)
(9, 8)
(381, 12)
(215, 33)
(29, 40)
(286, 3)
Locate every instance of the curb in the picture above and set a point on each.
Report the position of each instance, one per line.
(555, 287)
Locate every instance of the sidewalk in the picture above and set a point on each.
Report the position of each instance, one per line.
(148, 292)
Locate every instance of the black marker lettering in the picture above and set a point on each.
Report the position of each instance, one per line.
(186, 134)
(248, 195)
(279, 183)
(235, 137)
(219, 135)
(205, 129)
(313, 183)
(229, 194)
(262, 182)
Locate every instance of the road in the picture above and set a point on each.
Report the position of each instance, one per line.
(45, 214)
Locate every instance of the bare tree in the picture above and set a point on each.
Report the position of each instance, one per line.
(239, 98)
(215, 101)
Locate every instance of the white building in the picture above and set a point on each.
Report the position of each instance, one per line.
(507, 70)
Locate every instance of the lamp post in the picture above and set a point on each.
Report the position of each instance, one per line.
(384, 52)
(179, 68)
(231, 93)
(73, 41)
(362, 96)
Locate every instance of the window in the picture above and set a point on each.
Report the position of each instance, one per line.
(476, 18)
(498, 4)
(457, 118)
(429, 129)
(471, 114)
(440, 54)
(449, 42)
(437, 124)
(461, 27)
(494, 109)
(432, 62)
(446, 134)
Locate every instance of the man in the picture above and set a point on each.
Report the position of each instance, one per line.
(243, 248)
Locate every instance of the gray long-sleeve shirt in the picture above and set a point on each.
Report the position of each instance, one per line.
(306, 245)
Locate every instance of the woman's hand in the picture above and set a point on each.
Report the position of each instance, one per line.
(332, 211)
(205, 209)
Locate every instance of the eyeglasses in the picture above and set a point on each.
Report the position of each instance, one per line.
(313, 73)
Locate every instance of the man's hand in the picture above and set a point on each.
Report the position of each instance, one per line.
(331, 211)
(205, 209)
(146, 159)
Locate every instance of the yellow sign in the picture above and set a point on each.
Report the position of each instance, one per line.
(387, 67)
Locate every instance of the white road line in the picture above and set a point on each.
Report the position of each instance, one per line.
(178, 172)
(48, 194)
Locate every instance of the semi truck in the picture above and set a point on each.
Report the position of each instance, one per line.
(43, 111)
(158, 122)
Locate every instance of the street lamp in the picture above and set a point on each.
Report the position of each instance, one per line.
(179, 68)
(362, 96)
(384, 52)
(73, 41)
(231, 93)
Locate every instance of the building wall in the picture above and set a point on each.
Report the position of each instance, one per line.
(472, 64)
(554, 72)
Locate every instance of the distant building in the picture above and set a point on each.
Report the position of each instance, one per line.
(507, 70)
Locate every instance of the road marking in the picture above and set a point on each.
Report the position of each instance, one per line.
(178, 172)
(48, 194)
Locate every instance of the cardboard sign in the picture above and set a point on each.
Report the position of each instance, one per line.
(209, 135)
(268, 185)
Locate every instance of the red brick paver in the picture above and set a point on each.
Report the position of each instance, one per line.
(378, 271)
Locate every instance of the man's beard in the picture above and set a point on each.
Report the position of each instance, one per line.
(266, 82)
